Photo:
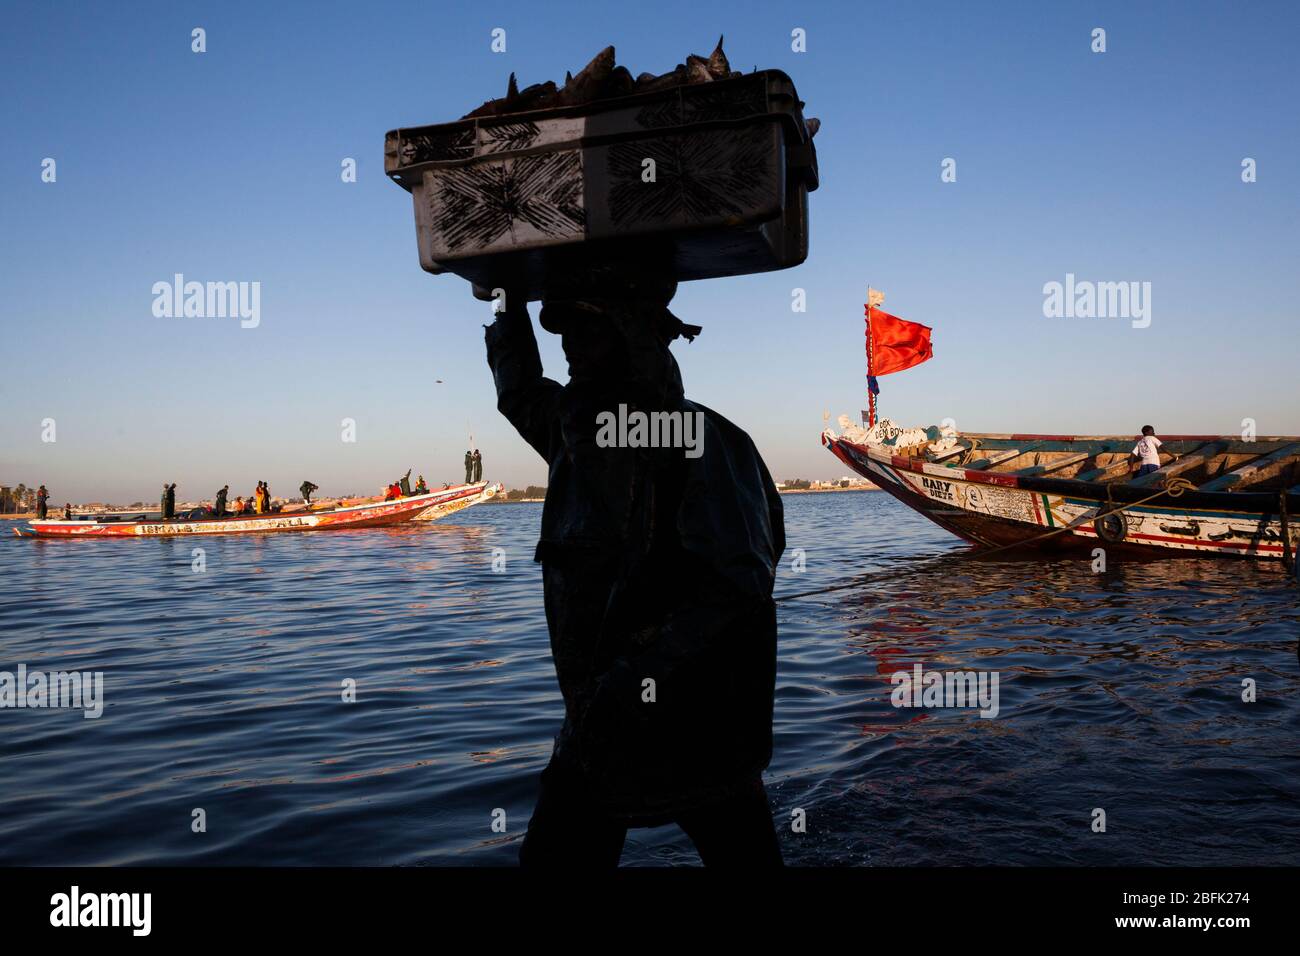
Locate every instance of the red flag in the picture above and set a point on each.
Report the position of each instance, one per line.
(895, 344)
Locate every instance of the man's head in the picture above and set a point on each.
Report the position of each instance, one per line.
(1148, 430)
(612, 316)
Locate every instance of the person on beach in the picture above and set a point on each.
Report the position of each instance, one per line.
(657, 577)
(219, 506)
(469, 466)
(42, 496)
(478, 466)
(306, 488)
(1147, 451)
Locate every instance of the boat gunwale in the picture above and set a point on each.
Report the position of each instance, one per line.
(1026, 436)
(1247, 502)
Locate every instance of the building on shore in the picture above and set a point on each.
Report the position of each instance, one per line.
(846, 483)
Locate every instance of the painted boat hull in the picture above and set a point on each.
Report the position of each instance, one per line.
(484, 492)
(993, 510)
(368, 515)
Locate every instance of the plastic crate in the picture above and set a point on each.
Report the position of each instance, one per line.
(496, 196)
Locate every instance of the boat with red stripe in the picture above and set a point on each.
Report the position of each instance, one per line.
(366, 514)
(1212, 494)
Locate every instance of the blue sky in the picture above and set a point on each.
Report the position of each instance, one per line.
(1120, 166)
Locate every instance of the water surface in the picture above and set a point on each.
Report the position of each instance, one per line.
(1119, 690)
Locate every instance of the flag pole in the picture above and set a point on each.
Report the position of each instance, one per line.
(871, 396)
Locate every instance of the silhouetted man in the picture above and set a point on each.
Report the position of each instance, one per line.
(168, 503)
(469, 466)
(306, 488)
(657, 574)
(478, 466)
(42, 496)
(219, 506)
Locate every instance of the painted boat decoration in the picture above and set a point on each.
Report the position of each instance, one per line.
(1211, 494)
(444, 508)
(369, 514)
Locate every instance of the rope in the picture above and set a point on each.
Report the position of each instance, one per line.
(1172, 487)
(970, 452)
(857, 582)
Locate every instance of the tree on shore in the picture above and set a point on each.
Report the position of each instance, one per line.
(532, 491)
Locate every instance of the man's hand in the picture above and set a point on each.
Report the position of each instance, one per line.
(509, 299)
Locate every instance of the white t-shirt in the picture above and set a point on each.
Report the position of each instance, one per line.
(1147, 449)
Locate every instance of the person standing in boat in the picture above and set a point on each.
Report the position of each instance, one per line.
(307, 488)
(657, 576)
(42, 496)
(405, 484)
(469, 466)
(259, 499)
(219, 506)
(67, 511)
(168, 503)
(478, 466)
(1147, 451)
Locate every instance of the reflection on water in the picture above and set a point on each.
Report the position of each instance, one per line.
(1120, 691)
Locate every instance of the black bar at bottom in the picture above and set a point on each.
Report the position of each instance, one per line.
(210, 905)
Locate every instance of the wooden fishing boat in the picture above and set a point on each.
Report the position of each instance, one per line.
(1212, 494)
(368, 514)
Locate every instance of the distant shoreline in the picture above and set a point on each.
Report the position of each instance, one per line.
(496, 500)
(825, 491)
(502, 500)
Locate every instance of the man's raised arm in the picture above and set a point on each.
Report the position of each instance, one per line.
(524, 396)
